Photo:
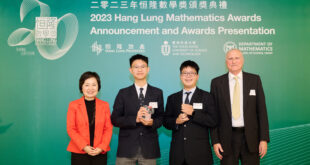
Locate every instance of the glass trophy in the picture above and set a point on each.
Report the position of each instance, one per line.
(150, 111)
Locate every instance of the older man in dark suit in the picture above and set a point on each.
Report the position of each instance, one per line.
(243, 130)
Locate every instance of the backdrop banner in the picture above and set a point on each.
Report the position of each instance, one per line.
(46, 45)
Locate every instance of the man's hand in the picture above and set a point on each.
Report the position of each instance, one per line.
(262, 149)
(187, 109)
(142, 111)
(182, 118)
(218, 149)
(148, 122)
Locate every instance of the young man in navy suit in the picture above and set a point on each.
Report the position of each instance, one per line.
(243, 131)
(138, 112)
(189, 114)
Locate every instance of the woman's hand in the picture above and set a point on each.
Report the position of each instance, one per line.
(92, 151)
(88, 149)
(95, 151)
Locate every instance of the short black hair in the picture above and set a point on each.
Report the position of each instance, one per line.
(87, 75)
(191, 64)
(138, 57)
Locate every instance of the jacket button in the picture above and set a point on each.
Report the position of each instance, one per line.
(184, 125)
(185, 138)
(141, 134)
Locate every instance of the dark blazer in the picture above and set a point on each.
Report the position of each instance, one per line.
(132, 134)
(254, 112)
(190, 141)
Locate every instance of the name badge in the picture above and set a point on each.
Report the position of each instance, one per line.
(197, 105)
(252, 92)
(153, 104)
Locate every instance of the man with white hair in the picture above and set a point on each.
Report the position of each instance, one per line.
(243, 129)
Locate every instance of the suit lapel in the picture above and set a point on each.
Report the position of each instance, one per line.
(179, 101)
(245, 90)
(195, 96)
(226, 93)
(83, 109)
(148, 94)
(98, 112)
(133, 94)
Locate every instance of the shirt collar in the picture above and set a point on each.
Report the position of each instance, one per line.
(231, 76)
(191, 90)
(138, 87)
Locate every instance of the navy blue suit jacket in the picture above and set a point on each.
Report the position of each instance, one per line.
(132, 134)
(190, 140)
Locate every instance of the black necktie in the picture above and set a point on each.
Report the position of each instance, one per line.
(187, 99)
(141, 97)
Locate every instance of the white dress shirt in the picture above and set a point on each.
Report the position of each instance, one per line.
(190, 95)
(138, 89)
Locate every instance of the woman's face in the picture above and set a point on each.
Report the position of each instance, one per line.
(90, 88)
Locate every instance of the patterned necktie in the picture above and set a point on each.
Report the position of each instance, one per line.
(141, 97)
(236, 100)
(187, 99)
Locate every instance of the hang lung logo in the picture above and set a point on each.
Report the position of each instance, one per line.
(45, 32)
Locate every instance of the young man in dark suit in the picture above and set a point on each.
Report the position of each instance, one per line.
(132, 113)
(243, 131)
(189, 114)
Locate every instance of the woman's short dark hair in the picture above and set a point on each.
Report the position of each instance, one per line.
(87, 75)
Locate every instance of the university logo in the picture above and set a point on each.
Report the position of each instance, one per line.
(229, 45)
(165, 48)
(45, 32)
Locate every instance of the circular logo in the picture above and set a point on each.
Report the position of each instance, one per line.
(229, 45)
